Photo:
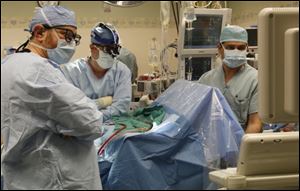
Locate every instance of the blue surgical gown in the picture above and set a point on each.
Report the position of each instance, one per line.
(48, 127)
(116, 83)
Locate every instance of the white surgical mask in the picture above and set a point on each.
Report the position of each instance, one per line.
(105, 60)
(234, 58)
(63, 51)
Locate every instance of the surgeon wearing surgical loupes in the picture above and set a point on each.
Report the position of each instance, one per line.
(236, 79)
(48, 125)
(101, 76)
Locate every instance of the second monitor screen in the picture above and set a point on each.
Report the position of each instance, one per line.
(205, 33)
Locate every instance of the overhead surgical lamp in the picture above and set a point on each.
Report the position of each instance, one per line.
(124, 3)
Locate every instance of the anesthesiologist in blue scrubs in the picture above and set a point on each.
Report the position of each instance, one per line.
(101, 76)
(236, 79)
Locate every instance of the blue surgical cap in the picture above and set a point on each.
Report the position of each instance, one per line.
(53, 16)
(234, 33)
(111, 26)
(104, 35)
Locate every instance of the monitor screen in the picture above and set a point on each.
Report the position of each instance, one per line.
(252, 36)
(198, 66)
(206, 32)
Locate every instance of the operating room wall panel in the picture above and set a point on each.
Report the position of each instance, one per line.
(244, 13)
(136, 25)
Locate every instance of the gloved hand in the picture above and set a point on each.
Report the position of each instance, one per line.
(103, 102)
(145, 101)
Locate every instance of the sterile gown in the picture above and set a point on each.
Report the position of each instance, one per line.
(48, 127)
(116, 83)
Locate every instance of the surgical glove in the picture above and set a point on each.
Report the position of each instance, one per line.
(103, 102)
(145, 101)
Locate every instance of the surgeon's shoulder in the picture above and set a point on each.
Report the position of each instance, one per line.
(32, 67)
(28, 58)
(29, 62)
(121, 67)
(76, 66)
(208, 75)
(251, 72)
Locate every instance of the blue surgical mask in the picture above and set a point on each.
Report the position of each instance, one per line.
(234, 58)
(105, 60)
(62, 53)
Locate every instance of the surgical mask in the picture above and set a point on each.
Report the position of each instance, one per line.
(105, 60)
(63, 51)
(234, 58)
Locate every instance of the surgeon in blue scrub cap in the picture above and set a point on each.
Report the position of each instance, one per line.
(48, 126)
(59, 24)
(236, 79)
(101, 76)
(127, 57)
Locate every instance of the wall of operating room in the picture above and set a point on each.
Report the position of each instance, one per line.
(136, 25)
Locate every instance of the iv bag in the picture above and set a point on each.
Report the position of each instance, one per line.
(189, 14)
(165, 14)
(153, 58)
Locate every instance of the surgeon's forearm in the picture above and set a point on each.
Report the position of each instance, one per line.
(115, 109)
(253, 128)
(254, 124)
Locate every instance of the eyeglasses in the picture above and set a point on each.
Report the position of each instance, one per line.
(70, 36)
(102, 48)
(232, 47)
